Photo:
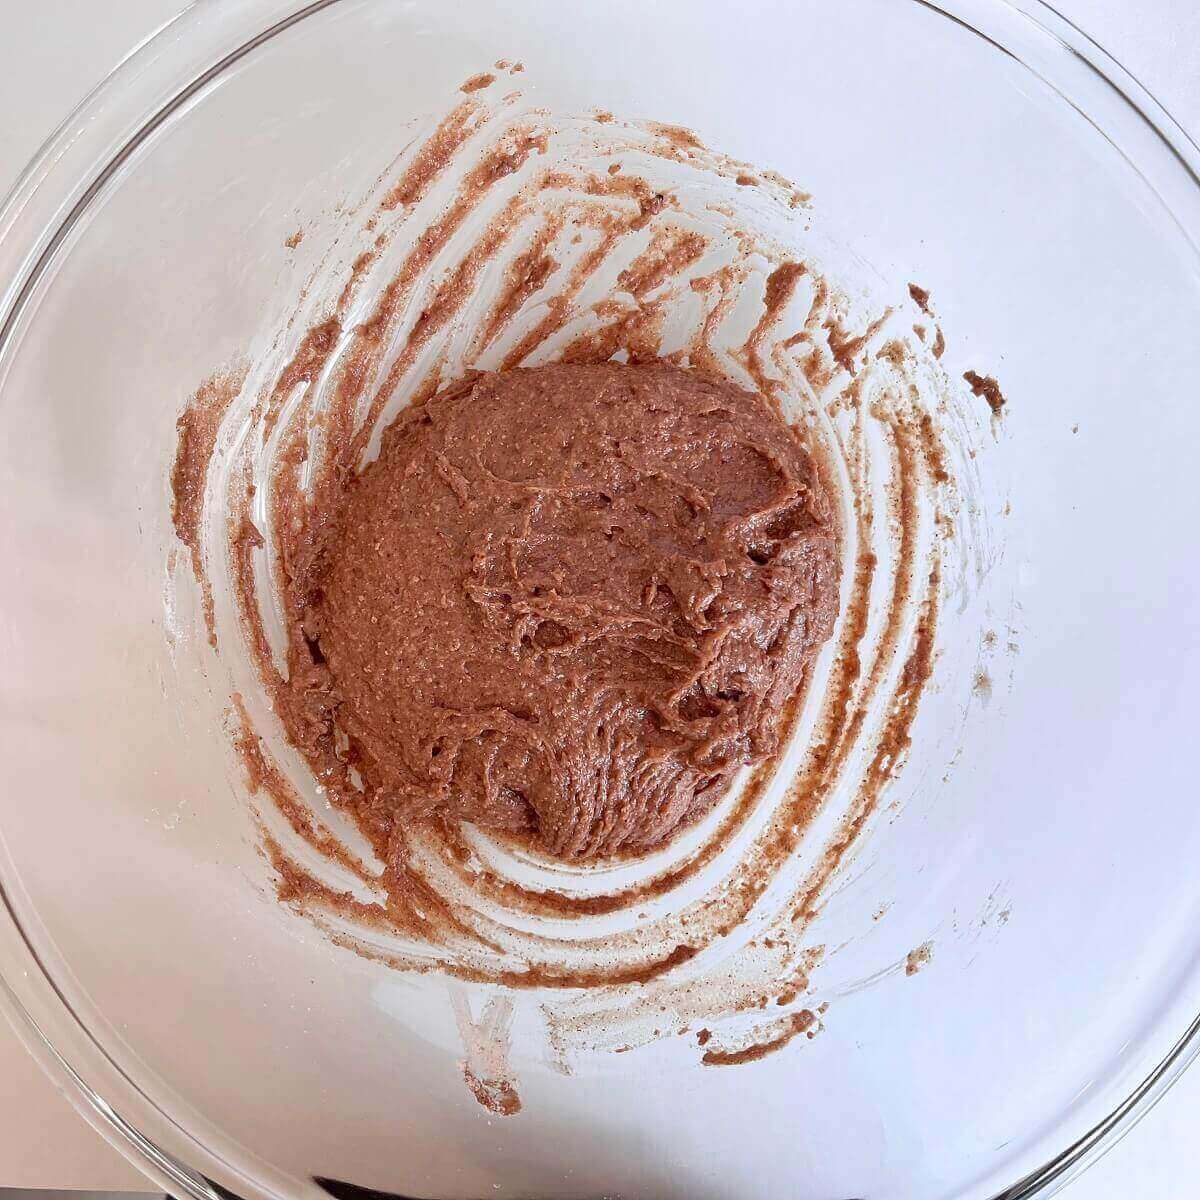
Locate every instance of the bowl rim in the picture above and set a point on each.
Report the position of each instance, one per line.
(74, 165)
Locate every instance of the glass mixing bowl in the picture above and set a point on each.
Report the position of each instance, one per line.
(983, 148)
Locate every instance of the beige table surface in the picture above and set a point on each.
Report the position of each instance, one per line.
(51, 53)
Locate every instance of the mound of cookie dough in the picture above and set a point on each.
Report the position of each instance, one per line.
(571, 601)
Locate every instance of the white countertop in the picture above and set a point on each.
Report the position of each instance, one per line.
(53, 51)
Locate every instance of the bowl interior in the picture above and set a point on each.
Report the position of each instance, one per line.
(1043, 834)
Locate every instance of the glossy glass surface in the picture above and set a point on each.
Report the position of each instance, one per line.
(985, 149)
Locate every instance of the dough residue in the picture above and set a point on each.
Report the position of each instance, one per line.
(584, 652)
(197, 430)
(988, 388)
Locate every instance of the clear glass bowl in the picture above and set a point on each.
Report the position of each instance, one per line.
(985, 149)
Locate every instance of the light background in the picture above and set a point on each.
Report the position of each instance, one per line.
(51, 53)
